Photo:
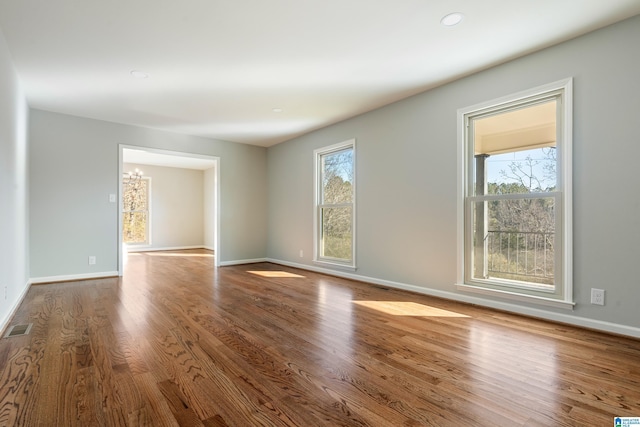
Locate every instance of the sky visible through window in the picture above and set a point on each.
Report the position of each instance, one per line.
(498, 165)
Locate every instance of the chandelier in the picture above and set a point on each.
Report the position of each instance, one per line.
(132, 178)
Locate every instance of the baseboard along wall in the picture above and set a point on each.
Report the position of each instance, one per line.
(582, 322)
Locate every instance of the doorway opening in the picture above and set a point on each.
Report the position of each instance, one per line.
(180, 207)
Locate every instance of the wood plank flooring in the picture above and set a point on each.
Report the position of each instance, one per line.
(178, 342)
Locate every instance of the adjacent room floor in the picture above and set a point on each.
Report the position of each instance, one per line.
(179, 342)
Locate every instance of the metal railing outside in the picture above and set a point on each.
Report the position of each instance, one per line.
(521, 255)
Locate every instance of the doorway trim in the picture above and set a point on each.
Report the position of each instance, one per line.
(216, 186)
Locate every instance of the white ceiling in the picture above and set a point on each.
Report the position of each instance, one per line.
(218, 68)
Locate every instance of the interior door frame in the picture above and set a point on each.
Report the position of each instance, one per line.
(216, 187)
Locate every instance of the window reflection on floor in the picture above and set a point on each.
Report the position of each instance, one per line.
(335, 316)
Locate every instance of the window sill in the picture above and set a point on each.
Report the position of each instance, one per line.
(335, 265)
(516, 296)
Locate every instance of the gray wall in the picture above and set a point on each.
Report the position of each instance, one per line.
(14, 272)
(73, 165)
(406, 178)
(177, 206)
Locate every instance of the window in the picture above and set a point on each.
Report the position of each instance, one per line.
(335, 204)
(516, 196)
(135, 214)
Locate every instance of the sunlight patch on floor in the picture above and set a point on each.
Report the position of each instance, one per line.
(404, 308)
(179, 255)
(268, 273)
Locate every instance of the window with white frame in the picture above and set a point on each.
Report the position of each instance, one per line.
(516, 196)
(335, 204)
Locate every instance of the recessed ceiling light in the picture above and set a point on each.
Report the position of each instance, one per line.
(452, 19)
(139, 74)
(278, 110)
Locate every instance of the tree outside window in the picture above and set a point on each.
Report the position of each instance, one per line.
(335, 204)
(135, 215)
(521, 231)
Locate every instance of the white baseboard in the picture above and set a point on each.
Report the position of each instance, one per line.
(169, 248)
(499, 305)
(4, 322)
(243, 261)
(72, 277)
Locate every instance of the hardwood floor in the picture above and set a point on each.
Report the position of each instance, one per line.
(177, 342)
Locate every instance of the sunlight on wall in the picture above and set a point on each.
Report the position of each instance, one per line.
(404, 308)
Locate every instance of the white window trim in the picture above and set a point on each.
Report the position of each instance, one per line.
(328, 262)
(148, 243)
(564, 179)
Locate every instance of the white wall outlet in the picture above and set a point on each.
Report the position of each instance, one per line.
(92, 260)
(301, 254)
(597, 296)
(112, 198)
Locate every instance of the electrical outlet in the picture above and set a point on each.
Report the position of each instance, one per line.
(301, 253)
(597, 296)
(92, 260)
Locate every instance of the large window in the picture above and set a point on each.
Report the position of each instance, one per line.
(135, 214)
(516, 196)
(335, 204)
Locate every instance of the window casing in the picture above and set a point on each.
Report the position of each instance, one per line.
(514, 218)
(334, 216)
